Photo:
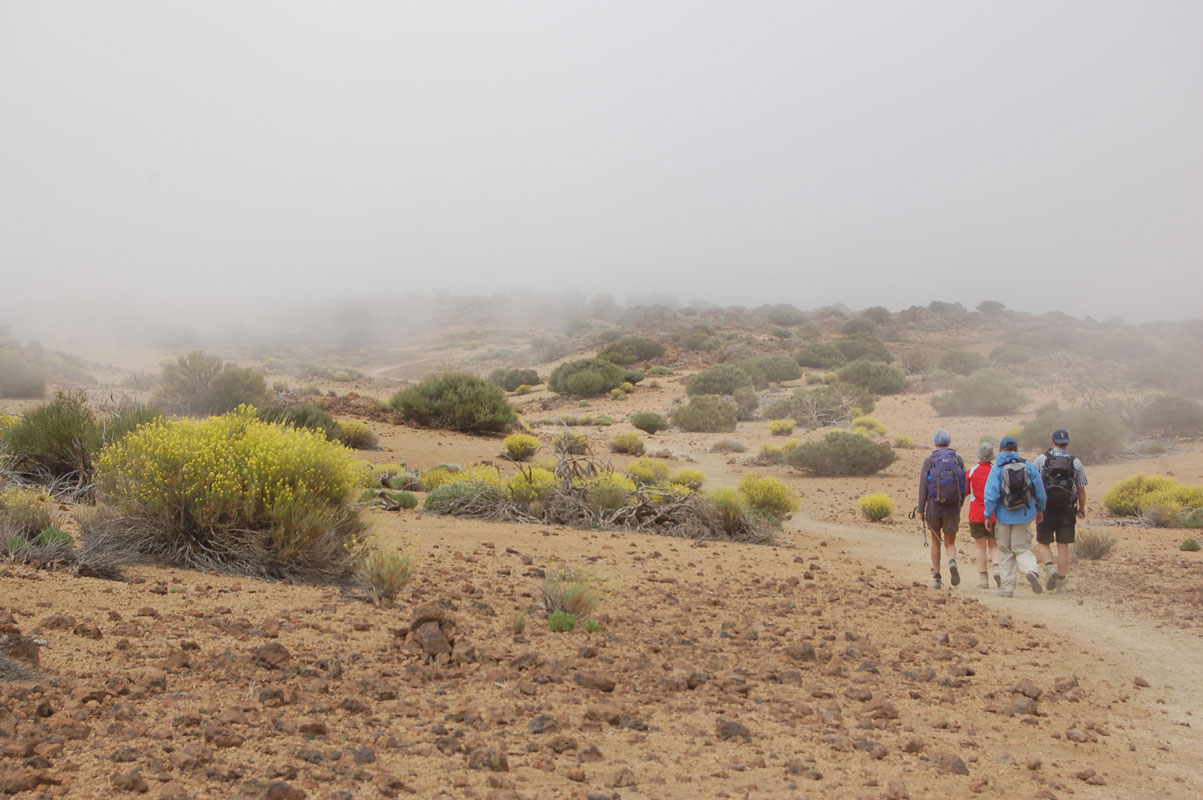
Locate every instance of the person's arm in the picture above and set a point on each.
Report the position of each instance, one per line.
(923, 488)
(1041, 494)
(993, 489)
(1080, 480)
(963, 478)
(1081, 502)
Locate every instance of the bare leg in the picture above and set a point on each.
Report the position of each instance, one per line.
(1062, 558)
(935, 552)
(950, 544)
(1045, 552)
(983, 555)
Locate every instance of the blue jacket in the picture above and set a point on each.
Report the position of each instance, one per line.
(1000, 512)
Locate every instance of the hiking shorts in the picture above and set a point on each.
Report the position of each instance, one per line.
(943, 520)
(978, 530)
(1057, 526)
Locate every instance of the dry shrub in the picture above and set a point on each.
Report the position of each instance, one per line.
(1093, 546)
(572, 591)
(386, 572)
(628, 443)
(356, 434)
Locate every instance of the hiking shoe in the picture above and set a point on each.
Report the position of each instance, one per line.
(954, 573)
(1034, 579)
(983, 581)
(997, 579)
(936, 584)
(1006, 593)
(1054, 578)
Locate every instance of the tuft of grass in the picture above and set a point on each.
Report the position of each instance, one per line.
(573, 591)
(518, 622)
(1093, 546)
(406, 500)
(561, 621)
(387, 571)
(725, 446)
(591, 626)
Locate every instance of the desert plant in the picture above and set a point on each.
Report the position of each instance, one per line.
(571, 591)
(726, 446)
(514, 379)
(648, 472)
(876, 507)
(984, 393)
(859, 326)
(781, 427)
(730, 505)
(618, 394)
(19, 377)
(56, 439)
(24, 512)
(842, 453)
(199, 383)
(868, 426)
(1193, 518)
(649, 422)
(608, 491)
(628, 443)
(587, 377)
(1125, 497)
(1172, 415)
(531, 485)
(771, 454)
(301, 416)
(874, 376)
(387, 571)
(659, 371)
(576, 444)
(632, 349)
(961, 362)
(518, 622)
(404, 499)
(561, 621)
(1190, 545)
(1096, 435)
(768, 494)
(1165, 507)
(591, 626)
(520, 446)
(747, 403)
(706, 414)
(820, 355)
(869, 348)
(125, 419)
(721, 379)
(1092, 545)
(230, 493)
(456, 401)
(822, 405)
(771, 369)
(691, 479)
(356, 434)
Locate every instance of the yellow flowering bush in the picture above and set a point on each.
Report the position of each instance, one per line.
(648, 472)
(1124, 498)
(868, 426)
(628, 442)
(688, 478)
(876, 507)
(232, 491)
(356, 434)
(24, 512)
(781, 427)
(520, 446)
(730, 505)
(769, 494)
(531, 485)
(608, 490)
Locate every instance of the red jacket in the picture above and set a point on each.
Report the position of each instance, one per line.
(977, 491)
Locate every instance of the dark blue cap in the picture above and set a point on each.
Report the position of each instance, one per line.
(1007, 442)
(1060, 436)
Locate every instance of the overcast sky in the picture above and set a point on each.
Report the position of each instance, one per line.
(1047, 154)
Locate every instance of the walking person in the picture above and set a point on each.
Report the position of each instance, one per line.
(1065, 482)
(987, 545)
(1014, 498)
(942, 490)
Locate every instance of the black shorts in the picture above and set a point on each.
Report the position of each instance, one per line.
(1057, 526)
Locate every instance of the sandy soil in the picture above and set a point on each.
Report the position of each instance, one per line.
(820, 667)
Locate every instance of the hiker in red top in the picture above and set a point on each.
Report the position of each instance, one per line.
(987, 545)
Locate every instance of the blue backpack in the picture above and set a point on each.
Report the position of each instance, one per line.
(946, 478)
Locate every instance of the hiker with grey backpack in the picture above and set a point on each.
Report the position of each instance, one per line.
(942, 490)
(1065, 482)
(1015, 497)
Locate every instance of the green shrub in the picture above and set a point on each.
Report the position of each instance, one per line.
(660, 372)
(20, 378)
(198, 383)
(609, 491)
(699, 337)
(628, 443)
(301, 416)
(1193, 518)
(513, 379)
(706, 414)
(648, 472)
(721, 379)
(725, 446)
(781, 427)
(591, 626)
(769, 495)
(731, 507)
(24, 512)
(386, 572)
(842, 453)
(456, 401)
(57, 439)
(961, 362)
(876, 507)
(576, 592)
(406, 500)
(127, 418)
(858, 326)
(747, 403)
(452, 498)
(356, 434)
(1092, 546)
(874, 376)
(868, 348)
(820, 355)
(782, 314)
(1164, 508)
(1096, 436)
(232, 493)
(1190, 545)
(587, 377)
(561, 621)
(520, 446)
(1011, 354)
(776, 368)
(54, 537)
(618, 394)
(631, 350)
(984, 393)
(771, 454)
(1170, 414)
(822, 405)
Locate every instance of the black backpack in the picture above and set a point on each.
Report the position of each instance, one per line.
(1059, 483)
(1017, 489)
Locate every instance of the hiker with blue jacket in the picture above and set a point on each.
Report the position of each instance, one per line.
(942, 490)
(1015, 497)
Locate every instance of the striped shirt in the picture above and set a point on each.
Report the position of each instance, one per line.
(1079, 472)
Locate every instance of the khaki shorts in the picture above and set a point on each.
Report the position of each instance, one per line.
(978, 530)
(945, 525)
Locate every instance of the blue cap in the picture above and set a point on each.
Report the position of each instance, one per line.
(1008, 442)
(942, 438)
(1060, 436)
